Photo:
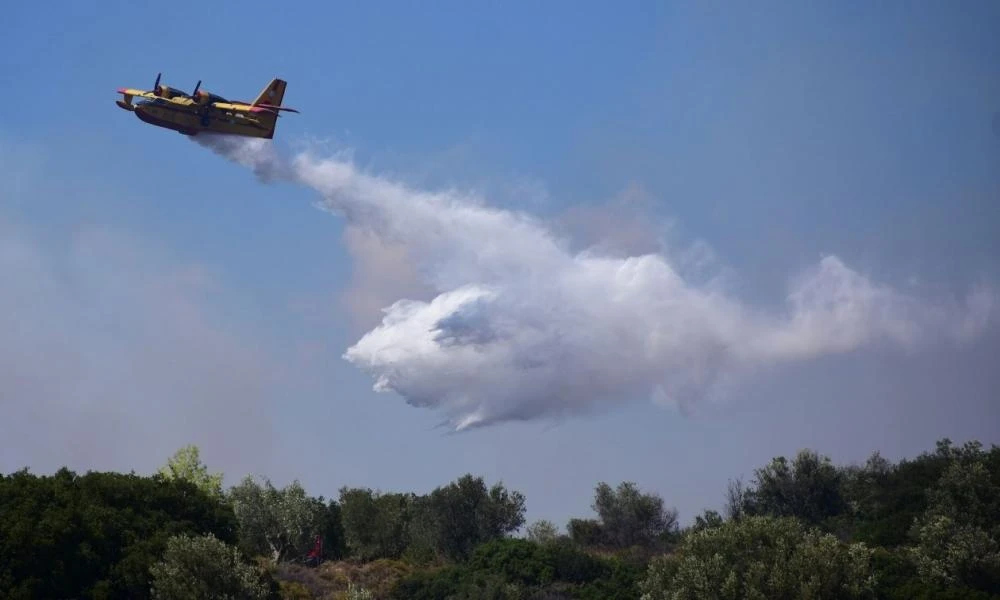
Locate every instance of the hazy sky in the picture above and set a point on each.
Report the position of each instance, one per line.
(661, 242)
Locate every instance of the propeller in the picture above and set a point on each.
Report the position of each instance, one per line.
(156, 86)
(194, 94)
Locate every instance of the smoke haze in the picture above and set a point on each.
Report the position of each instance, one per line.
(515, 325)
(113, 355)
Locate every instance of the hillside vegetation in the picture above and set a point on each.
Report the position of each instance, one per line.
(801, 528)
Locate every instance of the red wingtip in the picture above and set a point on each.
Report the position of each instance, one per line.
(121, 90)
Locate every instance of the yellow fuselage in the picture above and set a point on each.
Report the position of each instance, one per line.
(191, 119)
(203, 111)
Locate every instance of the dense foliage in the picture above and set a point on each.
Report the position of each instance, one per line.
(513, 569)
(923, 528)
(930, 522)
(206, 567)
(761, 557)
(375, 524)
(186, 464)
(447, 523)
(95, 535)
(629, 517)
(279, 523)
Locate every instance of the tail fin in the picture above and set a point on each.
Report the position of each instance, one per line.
(272, 94)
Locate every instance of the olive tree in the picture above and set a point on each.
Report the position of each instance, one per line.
(958, 536)
(186, 464)
(629, 517)
(375, 523)
(280, 523)
(457, 517)
(761, 557)
(809, 487)
(206, 567)
(543, 532)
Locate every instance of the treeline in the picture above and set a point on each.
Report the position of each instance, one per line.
(927, 527)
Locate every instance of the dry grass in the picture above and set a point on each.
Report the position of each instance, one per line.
(329, 581)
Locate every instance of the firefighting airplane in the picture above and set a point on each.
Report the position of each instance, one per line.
(203, 111)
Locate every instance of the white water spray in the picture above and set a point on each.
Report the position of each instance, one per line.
(520, 327)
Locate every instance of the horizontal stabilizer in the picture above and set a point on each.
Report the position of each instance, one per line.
(273, 107)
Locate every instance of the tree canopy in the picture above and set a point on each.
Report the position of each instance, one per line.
(96, 535)
(921, 528)
(776, 558)
(206, 567)
(281, 523)
(186, 464)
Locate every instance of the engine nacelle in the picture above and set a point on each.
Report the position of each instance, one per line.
(165, 91)
(202, 98)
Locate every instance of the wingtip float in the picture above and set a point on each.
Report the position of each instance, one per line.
(201, 111)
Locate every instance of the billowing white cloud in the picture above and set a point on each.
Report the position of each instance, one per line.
(520, 326)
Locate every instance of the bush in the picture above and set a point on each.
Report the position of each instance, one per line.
(761, 557)
(205, 567)
(516, 568)
(96, 535)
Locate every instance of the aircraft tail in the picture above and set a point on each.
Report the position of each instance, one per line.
(272, 95)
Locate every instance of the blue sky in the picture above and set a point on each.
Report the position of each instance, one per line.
(193, 304)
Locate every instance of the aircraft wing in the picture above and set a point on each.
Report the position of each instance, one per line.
(136, 93)
(243, 108)
(273, 107)
(250, 108)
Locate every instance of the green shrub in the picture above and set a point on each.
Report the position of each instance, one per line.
(205, 567)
